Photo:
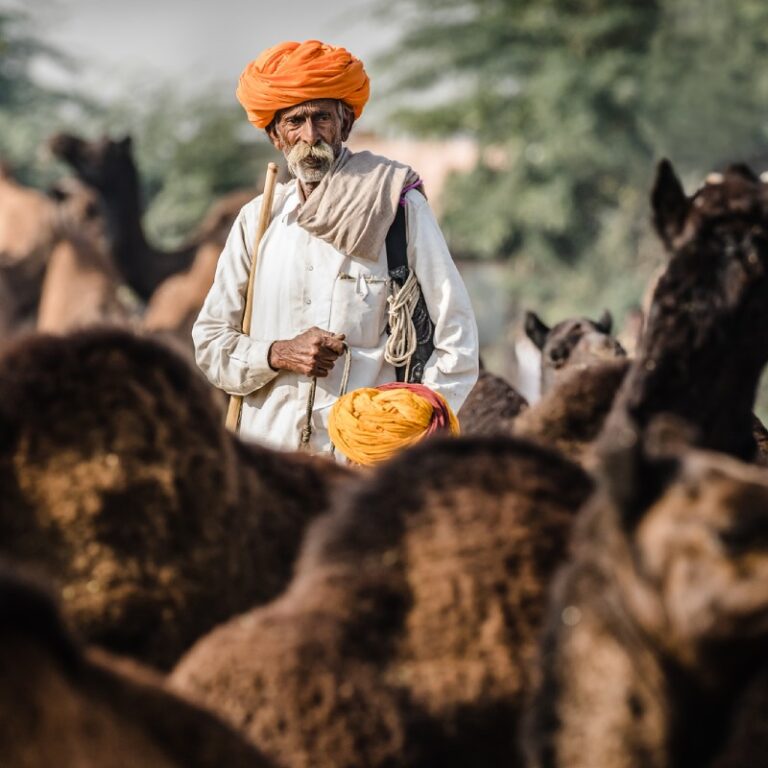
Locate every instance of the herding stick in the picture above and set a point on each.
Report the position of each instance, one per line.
(265, 215)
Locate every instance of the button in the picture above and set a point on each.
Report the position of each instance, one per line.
(307, 301)
(310, 267)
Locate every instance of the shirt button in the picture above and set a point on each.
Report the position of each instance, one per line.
(307, 301)
(310, 267)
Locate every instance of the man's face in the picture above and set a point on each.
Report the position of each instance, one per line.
(310, 135)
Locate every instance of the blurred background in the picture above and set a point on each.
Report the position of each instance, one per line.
(535, 123)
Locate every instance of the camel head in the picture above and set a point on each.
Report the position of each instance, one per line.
(706, 338)
(80, 211)
(105, 164)
(692, 565)
(717, 238)
(574, 342)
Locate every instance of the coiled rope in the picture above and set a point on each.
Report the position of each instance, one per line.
(402, 340)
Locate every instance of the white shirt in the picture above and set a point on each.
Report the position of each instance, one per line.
(301, 282)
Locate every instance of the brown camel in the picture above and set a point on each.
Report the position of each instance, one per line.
(27, 233)
(108, 166)
(82, 286)
(177, 301)
(419, 691)
(121, 485)
(491, 406)
(661, 618)
(68, 708)
(575, 342)
(408, 632)
(705, 342)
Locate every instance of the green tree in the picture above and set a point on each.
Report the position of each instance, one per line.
(571, 102)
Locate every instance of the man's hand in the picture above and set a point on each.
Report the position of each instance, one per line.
(311, 353)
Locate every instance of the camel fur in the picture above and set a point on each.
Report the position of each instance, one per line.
(660, 619)
(121, 485)
(491, 407)
(409, 630)
(66, 707)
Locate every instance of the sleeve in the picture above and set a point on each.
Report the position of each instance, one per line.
(452, 369)
(230, 359)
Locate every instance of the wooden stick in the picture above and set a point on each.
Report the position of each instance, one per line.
(265, 216)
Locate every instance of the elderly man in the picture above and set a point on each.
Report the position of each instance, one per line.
(323, 277)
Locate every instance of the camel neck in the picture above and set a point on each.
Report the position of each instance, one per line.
(702, 363)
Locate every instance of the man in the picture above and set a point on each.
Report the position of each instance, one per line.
(322, 278)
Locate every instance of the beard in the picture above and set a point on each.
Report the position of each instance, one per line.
(309, 163)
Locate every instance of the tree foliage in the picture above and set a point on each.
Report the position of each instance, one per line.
(572, 101)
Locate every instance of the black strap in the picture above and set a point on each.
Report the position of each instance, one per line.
(397, 242)
(397, 266)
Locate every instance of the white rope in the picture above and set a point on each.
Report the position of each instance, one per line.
(402, 340)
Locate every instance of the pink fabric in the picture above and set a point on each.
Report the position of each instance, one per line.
(440, 419)
(408, 188)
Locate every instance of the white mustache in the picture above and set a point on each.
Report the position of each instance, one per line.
(302, 151)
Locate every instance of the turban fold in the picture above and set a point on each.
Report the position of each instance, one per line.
(370, 425)
(291, 73)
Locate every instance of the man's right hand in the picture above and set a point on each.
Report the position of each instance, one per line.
(312, 353)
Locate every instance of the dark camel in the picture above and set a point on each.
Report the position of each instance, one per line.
(122, 487)
(108, 166)
(66, 707)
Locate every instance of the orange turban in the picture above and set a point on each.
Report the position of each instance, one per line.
(291, 73)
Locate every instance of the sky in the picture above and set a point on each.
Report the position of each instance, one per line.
(192, 42)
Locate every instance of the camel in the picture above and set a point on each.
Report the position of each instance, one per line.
(418, 691)
(27, 225)
(660, 619)
(72, 708)
(707, 319)
(491, 406)
(108, 166)
(407, 634)
(122, 487)
(704, 346)
(177, 301)
(81, 286)
(576, 341)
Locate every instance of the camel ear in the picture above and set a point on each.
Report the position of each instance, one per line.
(536, 330)
(669, 203)
(605, 323)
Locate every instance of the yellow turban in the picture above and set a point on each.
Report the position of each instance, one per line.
(291, 73)
(370, 425)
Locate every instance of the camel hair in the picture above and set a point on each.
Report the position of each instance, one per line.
(659, 623)
(491, 407)
(313, 639)
(122, 486)
(407, 634)
(68, 707)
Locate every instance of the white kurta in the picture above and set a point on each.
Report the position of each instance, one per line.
(301, 282)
